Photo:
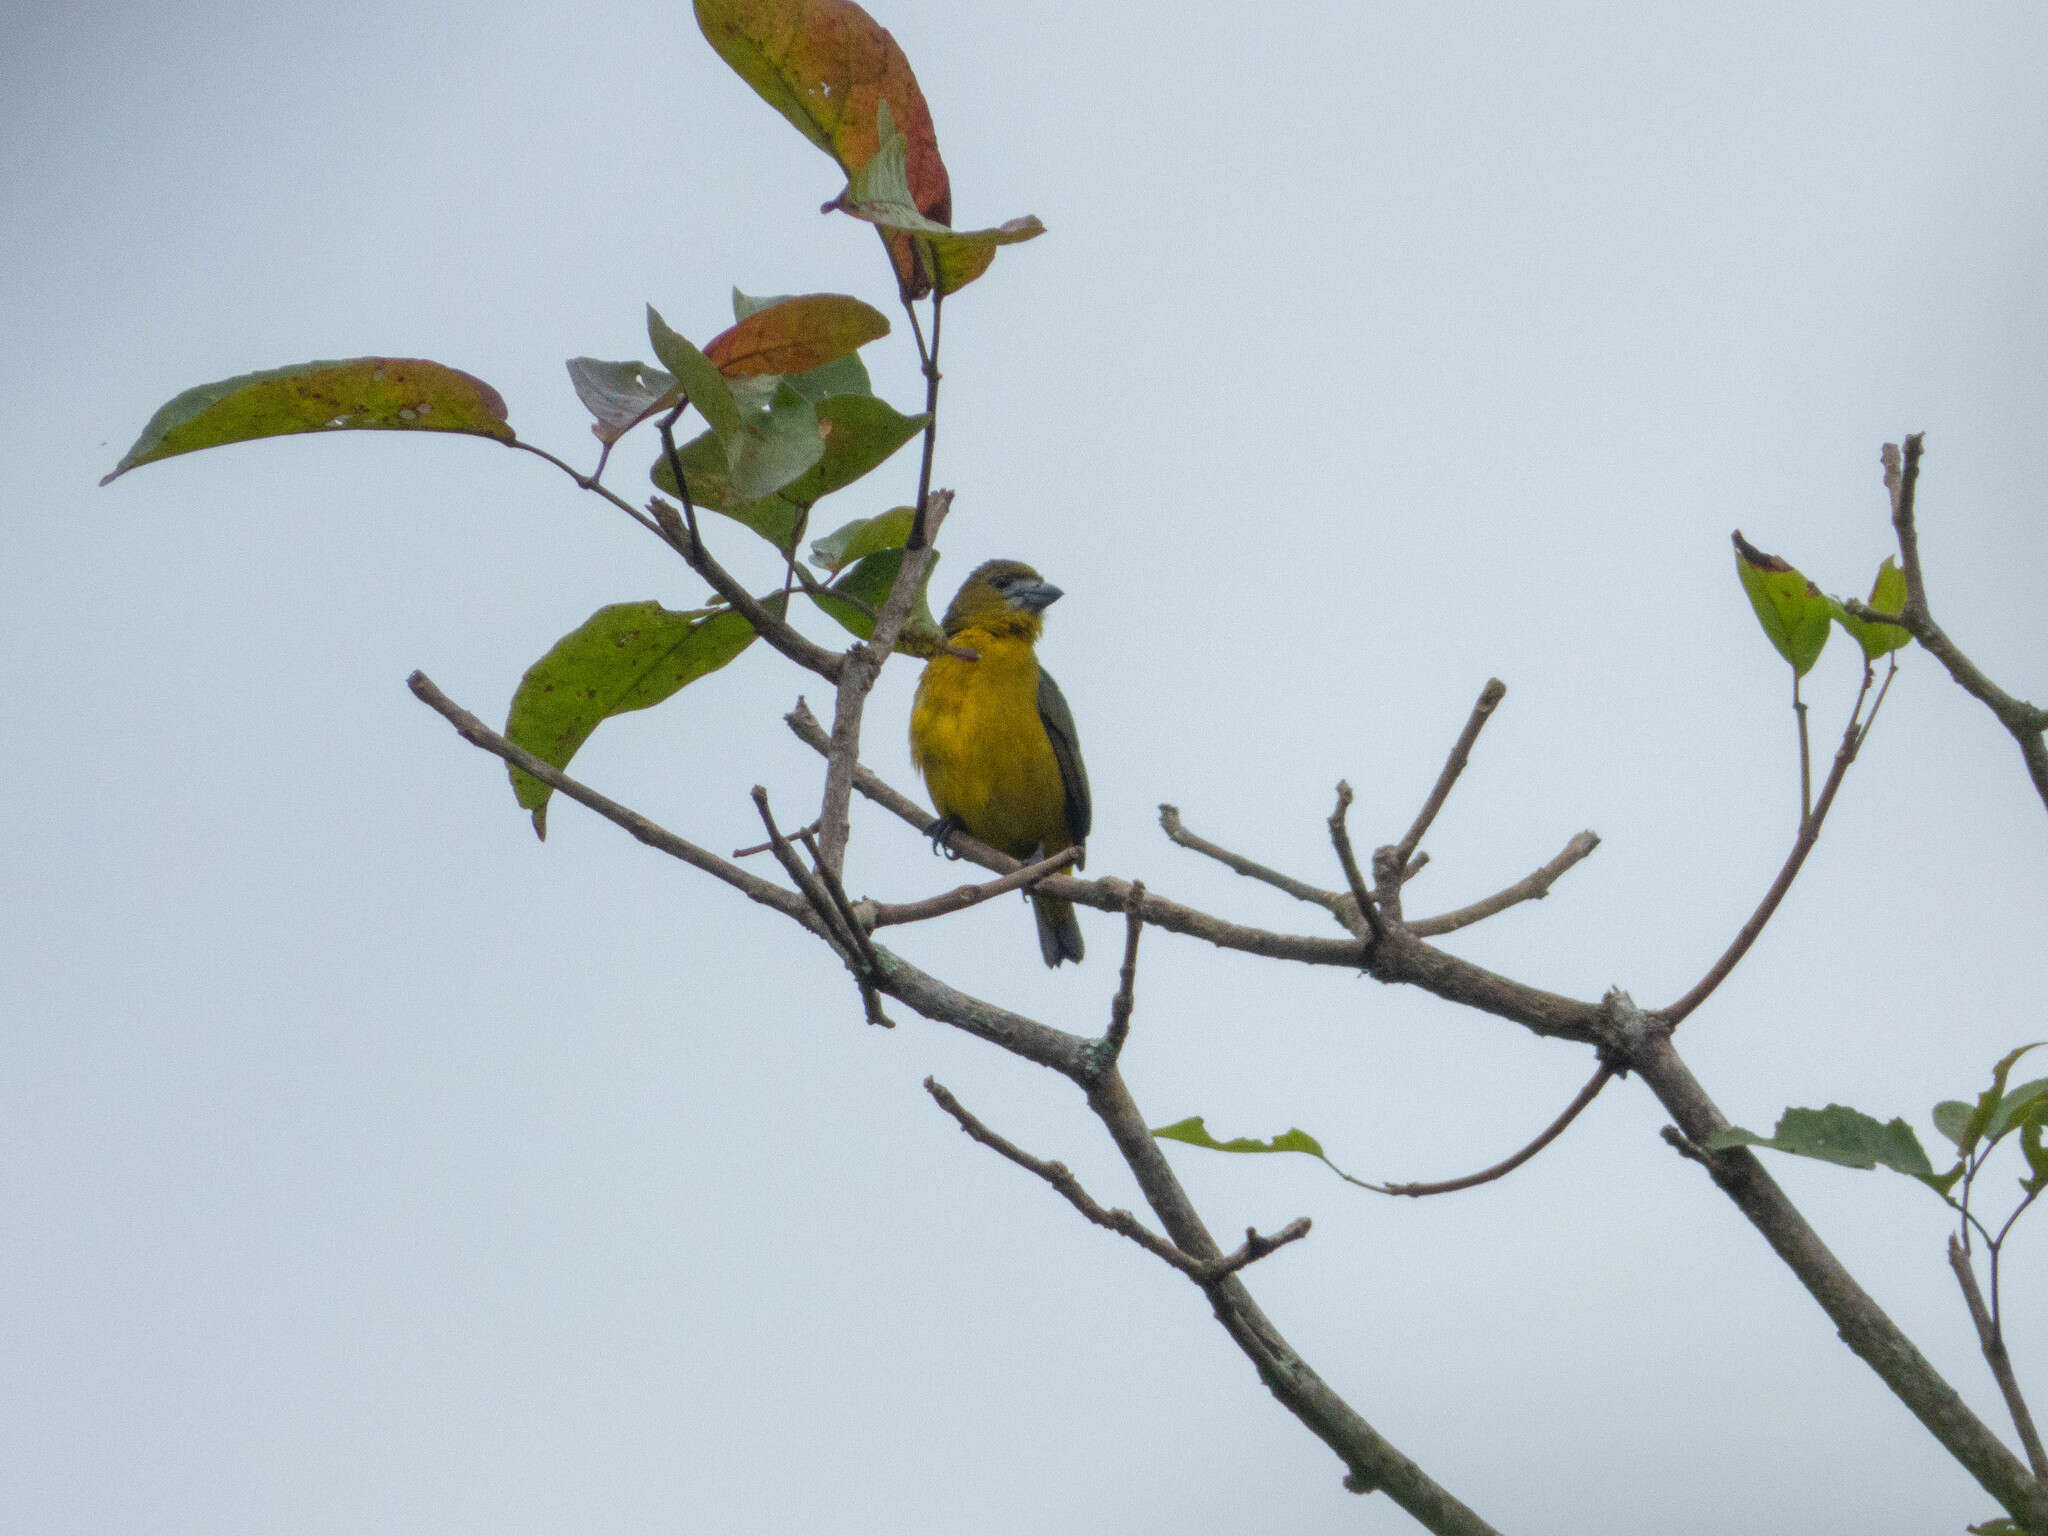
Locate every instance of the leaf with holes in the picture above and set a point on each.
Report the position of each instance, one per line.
(362, 394)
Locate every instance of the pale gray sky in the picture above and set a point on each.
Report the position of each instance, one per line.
(367, 1165)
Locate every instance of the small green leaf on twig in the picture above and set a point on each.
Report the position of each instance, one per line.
(1887, 595)
(1196, 1134)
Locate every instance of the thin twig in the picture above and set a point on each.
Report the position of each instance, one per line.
(1533, 886)
(962, 897)
(477, 734)
(1805, 754)
(871, 965)
(1802, 845)
(1204, 1272)
(748, 853)
(1991, 1339)
(1461, 753)
(1300, 890)
(920, 533)
(1127, 977)
(837, 929)
(2026, 722)
(1369, 913)
(1506, 1166)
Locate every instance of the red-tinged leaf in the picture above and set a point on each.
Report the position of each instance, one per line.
(793, 336)
(879, 192)
(374, 394)
(825, 65)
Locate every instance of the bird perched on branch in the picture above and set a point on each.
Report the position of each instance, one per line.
(995, 740)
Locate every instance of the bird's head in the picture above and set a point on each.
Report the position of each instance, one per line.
(1002, 597)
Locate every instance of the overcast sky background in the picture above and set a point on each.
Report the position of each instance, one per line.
(368, 1166)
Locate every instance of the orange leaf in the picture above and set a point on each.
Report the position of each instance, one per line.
(824, 64)
(796, 335)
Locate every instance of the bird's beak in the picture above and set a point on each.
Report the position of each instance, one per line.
(1037, 597)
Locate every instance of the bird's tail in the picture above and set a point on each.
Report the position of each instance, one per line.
(1059, 934)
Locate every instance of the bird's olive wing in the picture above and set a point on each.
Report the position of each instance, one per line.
(1066, 748)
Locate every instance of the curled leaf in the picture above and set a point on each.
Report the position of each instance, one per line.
(1887, 595)
(1794, 613)
(620, 395)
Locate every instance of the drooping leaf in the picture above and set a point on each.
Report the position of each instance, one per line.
(879, 192)
(698, 376)
(827, 65)
(1887, 595)
(1794, 613)
(373, 394)
(863, 536)
(620, 395)
(796, 336)
(624, 657)
(2032, 1126)
(860, 432)
(1196, 1134)
(1838, 1134)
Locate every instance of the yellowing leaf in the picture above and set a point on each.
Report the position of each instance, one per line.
(375, 394)
(1795, 615)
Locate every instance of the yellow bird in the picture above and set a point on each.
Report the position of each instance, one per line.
(995, 740)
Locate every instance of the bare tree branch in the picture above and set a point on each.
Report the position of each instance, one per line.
(1863, 1325)
(1533, 886)
(1340, 838)
(962, 897)
(1991, 1339)
(1802, 845)
(1127, 978)
(1461, 753)
(1508, 1165)
(1170, 824)
(2026, 722)
(477, 734)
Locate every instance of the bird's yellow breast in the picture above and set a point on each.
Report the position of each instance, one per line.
(976, 737)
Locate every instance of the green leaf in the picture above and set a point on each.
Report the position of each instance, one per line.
(1887, 595)
(879, 192)
(1840, 1135)
(775, 446)
(1999, 1527)
(2032, 1125)
(624, 657)
(863, 536)
(860, 432)
(1952, 1118)
(1196, 1134)
(1794, 613)
(698, 376)
(2014, 1105)
(362, 394)
(869, 582)
(620, 395)
(1988, 1101)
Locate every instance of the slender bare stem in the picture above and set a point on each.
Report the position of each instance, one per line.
(477, 734)
(1805, 756)
(1533, 886)
(1300, 890)
(1461, 753)
(1991, 1340)
(1508, 1165)
(835, 929)
(920, 533)
(1375, 927)
(962, 897)
(1802, 845)
(1127, 977)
